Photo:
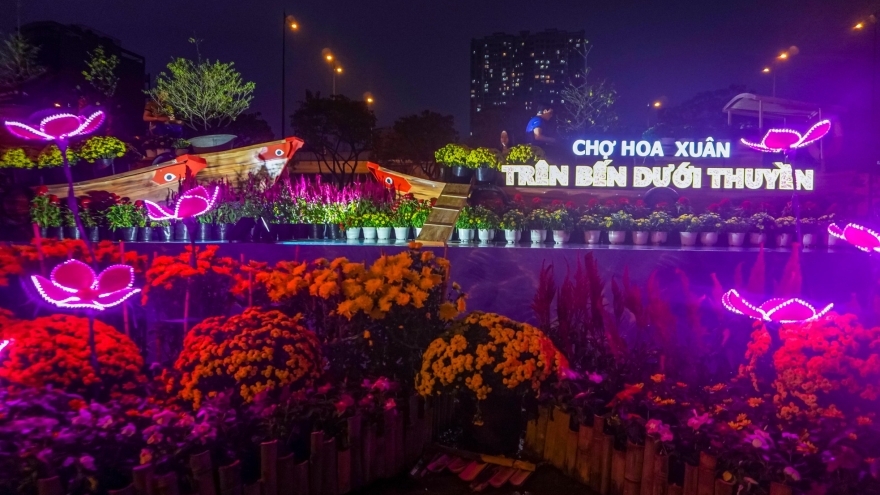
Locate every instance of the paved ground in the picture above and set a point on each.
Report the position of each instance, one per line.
(545, 481)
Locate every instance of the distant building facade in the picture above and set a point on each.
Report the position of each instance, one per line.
(511, 73)
(63, 51)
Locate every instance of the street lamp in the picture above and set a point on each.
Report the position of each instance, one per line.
(290, 23)
(860, 26)
(782, 57)
(334, 67)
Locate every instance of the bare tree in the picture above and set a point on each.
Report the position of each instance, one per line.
(588, 104)
(18, 62)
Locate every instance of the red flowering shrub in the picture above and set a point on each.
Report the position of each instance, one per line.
(251, 352)
(54, 350)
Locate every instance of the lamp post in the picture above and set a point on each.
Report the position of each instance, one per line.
(782, 57)
(335, 68)
(289, 23)
(860, 26)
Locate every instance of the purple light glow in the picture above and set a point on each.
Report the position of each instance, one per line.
(59, 126)
(861, 237)
(191, 204)
(74, 284)
(779, 140)
(777, 310)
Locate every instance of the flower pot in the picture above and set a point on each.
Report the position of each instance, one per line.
(465, 235)
(51, 232)
(592, 236)
(106, 234)
(779, 489)
(511, 236)
(808, 240)
(756, 238)
(485, 174)
(203, 232)
(333, 231)
(221, 231)
(831, 241)
(559, 237)
(689, 238)
(485, 235)
(145, 234)
(461, 174)
(353, 233)
(616, 236)
(383, 233)
(102, 164)
(783, 240)
(180, 151)
(212, 142)
(166, 234)
(71, 233)
(283, 231)
(401, 233)
(736, 239)
(659, 237)
(709, 238)
(370, 233)
(316, 231)
(126, 234)
(538, 235)
(640, 238)
(181, 233)
(418, 231)
(93, 234)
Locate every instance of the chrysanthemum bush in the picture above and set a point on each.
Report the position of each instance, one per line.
(485, 353)
(248, 353)
(54, 351)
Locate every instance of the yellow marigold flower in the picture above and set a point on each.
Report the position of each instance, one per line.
(658, 378)
(755, 402)
(366, 334)
(447, 311)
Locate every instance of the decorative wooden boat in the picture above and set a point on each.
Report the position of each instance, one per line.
(407, 184)
(158, 182)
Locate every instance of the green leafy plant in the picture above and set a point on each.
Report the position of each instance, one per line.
(466, 218)
(561, 219)
(420, 216)
(590, 222)
(687, 223)
(539, 218)
(227, 212)
(101, 73)
(641, 225)
(101, 148)
(483, 157)
(617, 221)
(761, 222)
(659, 221)
(710, 222)
(181, 144)
(204, 94)
(122, 215)
(51, 157)
(16, 158)
(524, 154)
(379, 218)
(403, 210)
(452, 155)
(512, 220)
(786, 225)
(46, 210)
(736, 225)
(485, 218)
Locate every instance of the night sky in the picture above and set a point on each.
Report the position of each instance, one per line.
(414, 55)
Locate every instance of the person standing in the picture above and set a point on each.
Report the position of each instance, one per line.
(504, 142)
(537, 130)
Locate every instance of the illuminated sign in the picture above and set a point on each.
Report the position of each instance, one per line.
(683, 176)
(683, 149)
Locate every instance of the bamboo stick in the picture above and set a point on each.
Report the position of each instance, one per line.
(368, 457)
(166, 484)
(706, 477)
(607, 447)
(129, 490)
(596, 457)
(650, 451)
(631, 487)
(330, 472)
(253, 489)
(584, 453)
(723, 487)
(316, 463)
(779, 489)
(356, 445)
(661, 475)
(541, 434)
(635, 456)
(399, 443)
(286, 477)
(269, 467)
(691, 477)
(550, 435)
(343, 469)
(675, 490)
(618, 471)
(560, 442)
(141, 479)
(531, 433)
(379, 456)
(203, 473)
(571, 452)
(301, 476)
(230, 479)
(49, 486)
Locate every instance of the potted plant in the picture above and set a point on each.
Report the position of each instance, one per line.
(561, 223)
(466, 224)
(710, 226)
(736, 229)
(50, 158)
(640, 228)
(144, 232)
(486, 222)
(617, 224)
(786, 227)
(485, 163)
(512, 222)
(314, 214)
(822, 224)
(402, 212)
(377, 224)
(205, 227)
(688, 227)
(225, 214)
(524, 154)
(455, 157)
(809, 227)
(90, 219)
(19, 161)
(592, 226)
(102, 150)
(421, 215)
(121, 218)
(659, 223)
(538, 222)
(760, 224)
(163, 229)
(46, 213)
(181, 146)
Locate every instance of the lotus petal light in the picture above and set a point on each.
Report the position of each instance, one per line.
(73, 284)
(779, 140)
(861, 237)
(58, 126)
(192, 203)
(778, 309)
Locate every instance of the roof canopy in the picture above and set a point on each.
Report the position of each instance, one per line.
(768, 107)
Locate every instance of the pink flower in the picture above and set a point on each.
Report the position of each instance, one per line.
(366, 400)
(778, 310)
(698, 420)
(792, 473)
(777, 140)
(657, 427)
(343, 404)
(87, 462)
(861, 237)
(323, 389)
(74, 285)
(192, 203)
(56, 126)
(390, 404)
(595, 377)
(760, 439)
(128, 430)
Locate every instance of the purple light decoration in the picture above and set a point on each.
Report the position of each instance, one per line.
(861, 237)
(57, 127)
(75, 285)
(777, 310)
(192, 203)
(780, 140)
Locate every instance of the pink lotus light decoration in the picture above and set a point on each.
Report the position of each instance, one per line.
(776, 310)
(74, 285)
(779, 140)
(59, 126)
(861, 237)
(191, 204)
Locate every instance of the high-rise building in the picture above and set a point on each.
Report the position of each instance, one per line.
(515, 72)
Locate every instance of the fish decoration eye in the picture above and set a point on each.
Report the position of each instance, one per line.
(389, 181)
(169, 177)
(279, 152)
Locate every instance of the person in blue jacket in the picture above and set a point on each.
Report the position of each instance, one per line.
(537, 128)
